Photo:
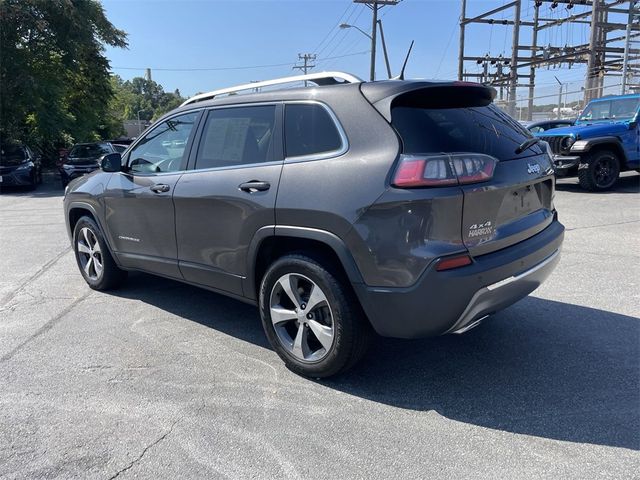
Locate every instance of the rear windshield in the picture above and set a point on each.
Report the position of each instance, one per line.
(480, 128)
(90, 151)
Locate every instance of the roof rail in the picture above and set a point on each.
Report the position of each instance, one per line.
(319, 78)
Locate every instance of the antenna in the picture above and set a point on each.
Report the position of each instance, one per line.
(404, 65)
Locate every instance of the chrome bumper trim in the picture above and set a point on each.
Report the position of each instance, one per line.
(526, 273)
(473, 314)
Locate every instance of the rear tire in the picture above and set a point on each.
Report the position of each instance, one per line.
(322, 330)
(94, 259)
(599, 171)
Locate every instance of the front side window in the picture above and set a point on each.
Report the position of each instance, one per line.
(163, 149)
(237, 136)
(309, 130)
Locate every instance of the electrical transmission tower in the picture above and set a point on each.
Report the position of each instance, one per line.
(599, 55)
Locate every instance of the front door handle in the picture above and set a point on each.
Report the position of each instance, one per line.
(160, 188)
(254, 186)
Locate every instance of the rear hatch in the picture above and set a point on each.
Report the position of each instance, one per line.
(456, 121)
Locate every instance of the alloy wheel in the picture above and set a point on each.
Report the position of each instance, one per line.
(90, 254)
(604, 172)
(302, 317)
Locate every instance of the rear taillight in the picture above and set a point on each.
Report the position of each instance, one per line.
(443, 169)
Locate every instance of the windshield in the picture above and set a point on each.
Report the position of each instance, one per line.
(92, 150)
(614, 109)
(12, 155)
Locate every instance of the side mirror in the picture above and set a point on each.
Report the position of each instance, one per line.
(111, 162)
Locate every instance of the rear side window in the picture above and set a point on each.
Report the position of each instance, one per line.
(237, 136)
(479, 129)
(310, 130)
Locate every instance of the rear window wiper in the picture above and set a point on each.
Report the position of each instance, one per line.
(529, 142)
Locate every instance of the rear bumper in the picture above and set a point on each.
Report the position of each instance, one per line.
(453, 301)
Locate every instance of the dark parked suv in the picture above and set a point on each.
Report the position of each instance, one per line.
(83, 158)
(408, 208)
(19, 166)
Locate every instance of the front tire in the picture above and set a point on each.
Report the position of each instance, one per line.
(94, 260)
(600, 171)
(311, 317)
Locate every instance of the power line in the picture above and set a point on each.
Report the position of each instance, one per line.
(338, 30)
(446, 49)
(248, 67)
(346, 32)
(334, 26)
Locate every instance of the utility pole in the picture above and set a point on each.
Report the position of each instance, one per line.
(306, 58)
(559, 115)
(374, 5)
(463, 16)
(374, 31)
(384, 49)
(627, 44)
(590, 81)
(513, 74)
(532, 70)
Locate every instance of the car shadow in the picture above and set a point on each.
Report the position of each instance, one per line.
(48, 188)
(627, 183)
(543, 368)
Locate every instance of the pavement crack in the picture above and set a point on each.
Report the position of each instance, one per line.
(144, 452)
(45, 328)
(602, 225)
(8, 296)
(153, 444)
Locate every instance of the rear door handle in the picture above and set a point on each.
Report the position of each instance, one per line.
(160, 188)
(254, 186)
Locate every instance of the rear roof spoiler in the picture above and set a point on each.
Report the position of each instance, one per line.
(382, 94)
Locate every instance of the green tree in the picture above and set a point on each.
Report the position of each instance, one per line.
(140, 95)
(55, 85)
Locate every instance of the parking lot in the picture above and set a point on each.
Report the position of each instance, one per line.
(161, 380)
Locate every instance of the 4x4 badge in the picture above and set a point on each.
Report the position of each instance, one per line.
(533, 168)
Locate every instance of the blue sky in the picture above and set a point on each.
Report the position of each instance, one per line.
(216, 34)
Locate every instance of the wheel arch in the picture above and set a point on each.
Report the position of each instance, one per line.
(77, 210)
(271, 243)
(593, 145)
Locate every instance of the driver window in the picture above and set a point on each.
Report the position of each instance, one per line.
(163, 149)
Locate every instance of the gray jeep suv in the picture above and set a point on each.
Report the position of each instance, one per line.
(406, 208)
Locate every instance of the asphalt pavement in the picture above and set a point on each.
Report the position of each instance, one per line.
(164, 380)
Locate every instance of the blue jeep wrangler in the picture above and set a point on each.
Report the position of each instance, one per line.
(604, 141)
